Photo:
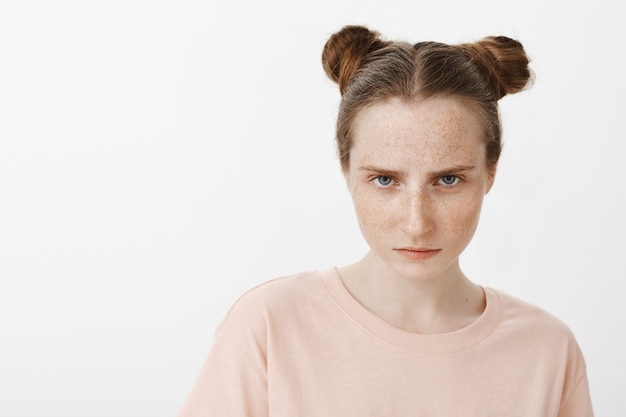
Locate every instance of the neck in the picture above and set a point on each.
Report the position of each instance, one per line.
(436, 304)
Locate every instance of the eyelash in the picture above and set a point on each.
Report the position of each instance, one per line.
(456, 180)
(376, 180)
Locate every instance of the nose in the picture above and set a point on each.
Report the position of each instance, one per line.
(418, 214)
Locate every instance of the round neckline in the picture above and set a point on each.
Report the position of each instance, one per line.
(456, 340)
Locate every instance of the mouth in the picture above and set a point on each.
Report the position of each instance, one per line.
(417, 253)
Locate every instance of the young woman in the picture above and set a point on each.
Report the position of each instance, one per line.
(401, 332)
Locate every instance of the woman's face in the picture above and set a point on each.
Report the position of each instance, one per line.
(417, 176)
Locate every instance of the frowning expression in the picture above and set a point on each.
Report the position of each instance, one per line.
(417, 174)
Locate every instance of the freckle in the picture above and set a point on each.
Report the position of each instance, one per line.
(466, 300)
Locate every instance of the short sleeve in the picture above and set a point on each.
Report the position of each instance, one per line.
(233, 380)
(576, 400)
(231, 383)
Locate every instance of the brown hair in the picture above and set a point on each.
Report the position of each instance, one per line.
(369, 69)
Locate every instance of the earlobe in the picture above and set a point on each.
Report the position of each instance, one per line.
(346, 177)
(491, 177)
(349, 183)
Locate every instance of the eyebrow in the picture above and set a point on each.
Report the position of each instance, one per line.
(392, 173)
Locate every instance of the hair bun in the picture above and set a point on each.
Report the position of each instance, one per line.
(505, 61)
(344, 51)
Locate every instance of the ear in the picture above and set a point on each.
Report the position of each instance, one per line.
(491, 177)
(346, 176)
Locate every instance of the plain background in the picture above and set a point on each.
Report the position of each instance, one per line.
(159, 158)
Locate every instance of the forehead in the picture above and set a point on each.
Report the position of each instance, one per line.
(429, 132)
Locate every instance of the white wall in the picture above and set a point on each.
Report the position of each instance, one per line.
(158, 158)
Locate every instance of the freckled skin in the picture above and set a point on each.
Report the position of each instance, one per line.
(413, 146)
(417, 139)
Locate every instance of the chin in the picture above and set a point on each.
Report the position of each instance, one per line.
(422, 270)
(418, 273)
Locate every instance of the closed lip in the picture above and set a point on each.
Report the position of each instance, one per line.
(417, 253)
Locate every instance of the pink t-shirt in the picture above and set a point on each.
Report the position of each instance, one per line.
(302, 346)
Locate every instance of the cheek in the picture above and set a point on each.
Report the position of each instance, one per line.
(374, 214)
(462, 219)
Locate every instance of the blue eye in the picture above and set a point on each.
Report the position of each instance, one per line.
(449, 180)
(383, 181)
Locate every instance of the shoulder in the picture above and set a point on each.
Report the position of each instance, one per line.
(548, 346)
(529, 318)
(532, 332)
(275, 292)
(271, 310)
(275, 298)
(533, 322)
